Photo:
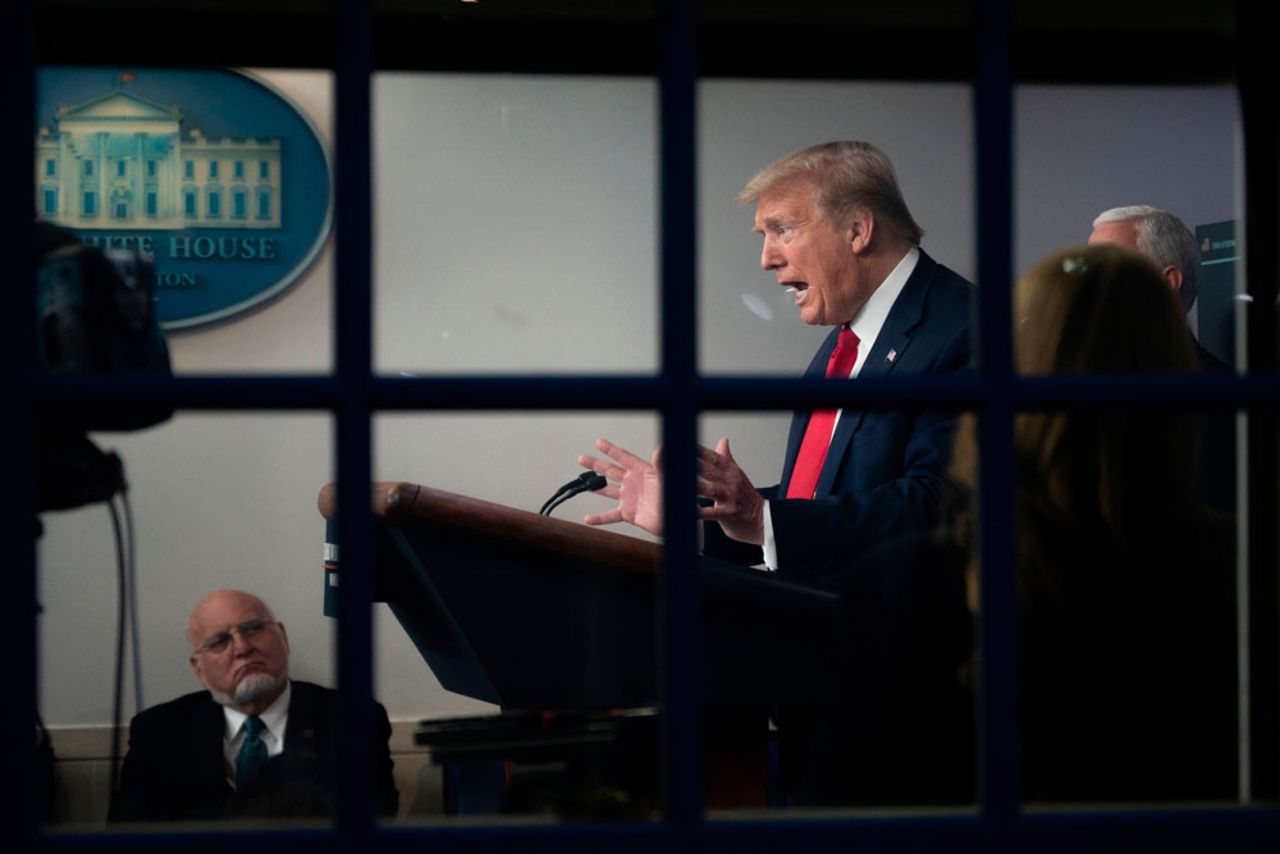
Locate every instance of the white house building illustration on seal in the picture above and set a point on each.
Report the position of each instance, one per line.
(120, 161)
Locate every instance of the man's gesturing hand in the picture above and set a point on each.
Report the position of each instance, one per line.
(737, 505)
(637, 487)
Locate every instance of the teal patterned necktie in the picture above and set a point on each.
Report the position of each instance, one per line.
(253, 752)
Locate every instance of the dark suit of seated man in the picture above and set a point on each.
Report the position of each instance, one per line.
(254, 744)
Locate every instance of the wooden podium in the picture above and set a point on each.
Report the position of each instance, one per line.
(536, 613)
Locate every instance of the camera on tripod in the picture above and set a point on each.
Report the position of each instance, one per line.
(95, 314)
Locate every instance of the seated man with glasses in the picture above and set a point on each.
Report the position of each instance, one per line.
(254, 744)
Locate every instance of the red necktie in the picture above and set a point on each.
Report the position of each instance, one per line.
(817, 437)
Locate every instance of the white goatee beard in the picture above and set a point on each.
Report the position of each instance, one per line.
(250, 689)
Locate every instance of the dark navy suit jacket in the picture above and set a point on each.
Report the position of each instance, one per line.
(175, 768)
(885, 469)
(1217, 445)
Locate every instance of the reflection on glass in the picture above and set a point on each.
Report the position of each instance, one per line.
(520, 647)
(1126, 572)
(216, 503)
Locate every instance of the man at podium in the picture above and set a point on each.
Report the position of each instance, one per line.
(837, 235)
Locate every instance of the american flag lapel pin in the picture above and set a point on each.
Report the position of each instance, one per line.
(893, 354)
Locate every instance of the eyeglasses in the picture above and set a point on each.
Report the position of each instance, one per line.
(248, 630)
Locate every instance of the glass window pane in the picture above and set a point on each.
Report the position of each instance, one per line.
(515, 223)
(517, 653)
(234, 292)
(840, 661)
(1130, 601)
(1171, 148)
(218, 502)
(748, 323)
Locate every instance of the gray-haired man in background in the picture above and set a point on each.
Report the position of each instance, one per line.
(1167, 242)
(1170, 245)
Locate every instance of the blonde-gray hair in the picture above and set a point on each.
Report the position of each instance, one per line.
(850, 176)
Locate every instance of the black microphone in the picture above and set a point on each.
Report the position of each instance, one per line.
(582, 478)
(588, 481)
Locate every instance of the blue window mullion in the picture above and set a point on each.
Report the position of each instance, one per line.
(680, 630)
(353, 332)
(998, 734)
(19, 814)
(1260, 120)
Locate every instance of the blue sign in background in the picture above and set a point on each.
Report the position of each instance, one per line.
(219, 104)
